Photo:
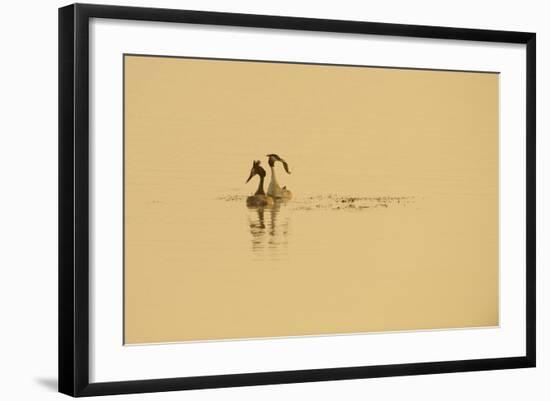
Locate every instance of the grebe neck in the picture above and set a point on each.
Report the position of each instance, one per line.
(273, 176)
(260, 190)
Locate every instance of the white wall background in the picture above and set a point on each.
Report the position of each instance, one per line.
(28, 199)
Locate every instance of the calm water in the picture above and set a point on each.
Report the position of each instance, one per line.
(394, 220)
(319, 263)
(271, 228)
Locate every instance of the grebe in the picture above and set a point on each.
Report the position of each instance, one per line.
(259, 199)
(274, 188)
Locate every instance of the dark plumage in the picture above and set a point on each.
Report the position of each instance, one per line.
(276, 158)
(259, 199)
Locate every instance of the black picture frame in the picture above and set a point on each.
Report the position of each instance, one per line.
(74, 193)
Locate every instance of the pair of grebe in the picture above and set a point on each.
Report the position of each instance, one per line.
(274, 191)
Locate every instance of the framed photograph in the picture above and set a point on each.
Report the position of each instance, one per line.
(251, 199)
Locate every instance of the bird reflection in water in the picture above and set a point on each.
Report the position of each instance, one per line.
(269, 228)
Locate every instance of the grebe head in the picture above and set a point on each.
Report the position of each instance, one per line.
(272, 158)
(256, 169)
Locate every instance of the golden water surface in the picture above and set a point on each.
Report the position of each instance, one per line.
(394, 220)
